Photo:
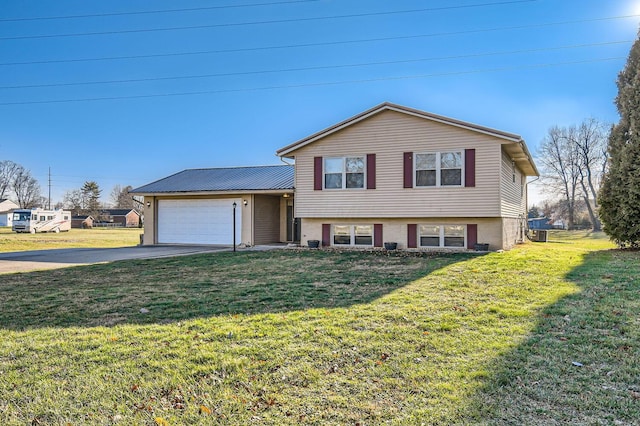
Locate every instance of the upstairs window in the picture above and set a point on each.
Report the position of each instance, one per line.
(426, 169)
(344, 172)
(439, 169)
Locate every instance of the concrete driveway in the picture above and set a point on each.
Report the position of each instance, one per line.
(25, 261)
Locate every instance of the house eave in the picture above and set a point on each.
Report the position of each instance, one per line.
(522, 158)
(216, 193)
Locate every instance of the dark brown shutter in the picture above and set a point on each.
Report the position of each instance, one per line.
(412, 235)
(326, 234)
(317, 173)
(371, 171)
(472, 236)
(377, 235)
(469, 167)
(408, 169)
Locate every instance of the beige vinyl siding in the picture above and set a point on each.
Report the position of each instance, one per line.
(388, 135)
(525, 197)
(267, 219)
(512, 193)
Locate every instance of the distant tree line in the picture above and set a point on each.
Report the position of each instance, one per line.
(86, 200)
(18, 185)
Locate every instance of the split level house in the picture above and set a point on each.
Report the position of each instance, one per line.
(388, 174)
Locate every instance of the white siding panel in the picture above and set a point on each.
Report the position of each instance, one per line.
(389, 135)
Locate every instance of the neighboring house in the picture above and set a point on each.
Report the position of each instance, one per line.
(389, 174)
(540, 223)
(128, 218)
(82, 222)
(6, 211)
(197, 206)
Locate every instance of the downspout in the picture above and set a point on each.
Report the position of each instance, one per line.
(526, 233)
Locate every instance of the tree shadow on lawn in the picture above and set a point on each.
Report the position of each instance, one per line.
(579, 364)
(174, 289)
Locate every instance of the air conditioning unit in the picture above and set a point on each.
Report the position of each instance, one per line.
(540, 235)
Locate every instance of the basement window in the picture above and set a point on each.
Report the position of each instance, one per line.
(352, 235)
(447, 236)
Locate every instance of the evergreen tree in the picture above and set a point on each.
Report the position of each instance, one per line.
(91, 194)
(620, 192)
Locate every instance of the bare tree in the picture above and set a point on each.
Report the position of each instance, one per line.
(74, 201)
(590, 140)
(547, 209)
(574, 160)
(560, 171)
(7, 172)
(26, 188)
(120, 197)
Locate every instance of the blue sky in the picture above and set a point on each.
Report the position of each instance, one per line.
(250, 76)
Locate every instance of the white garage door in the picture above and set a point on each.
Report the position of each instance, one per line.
(198, 221)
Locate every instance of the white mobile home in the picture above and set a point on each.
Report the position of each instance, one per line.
(40, 220)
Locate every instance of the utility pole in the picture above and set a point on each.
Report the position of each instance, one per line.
(49, 204)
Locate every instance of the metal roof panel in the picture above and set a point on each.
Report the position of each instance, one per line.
(252, 178)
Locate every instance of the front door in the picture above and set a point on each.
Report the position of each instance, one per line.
(293, 224)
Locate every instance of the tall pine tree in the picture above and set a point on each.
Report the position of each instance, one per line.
(91, 194)
(620, 192)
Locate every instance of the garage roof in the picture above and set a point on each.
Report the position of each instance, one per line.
(255, 178)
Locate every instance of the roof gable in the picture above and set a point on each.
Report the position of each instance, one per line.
(519, 146)
(257, 178)
(7, 205)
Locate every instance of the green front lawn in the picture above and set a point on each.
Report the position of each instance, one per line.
(547, 333)
(74, 238)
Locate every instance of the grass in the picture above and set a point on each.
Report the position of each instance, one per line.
(75, 238)
(321, 337)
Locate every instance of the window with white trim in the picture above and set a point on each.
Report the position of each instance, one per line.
(352, 235)
(344, 172)
(452, 236)
(439, 168)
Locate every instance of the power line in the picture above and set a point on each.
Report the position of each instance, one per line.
(274, 21)
(327, 43)
(315, 68)
(147, 12)
(295, 86)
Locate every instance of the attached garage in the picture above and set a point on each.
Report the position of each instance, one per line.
(195, 206)
(198, 221)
